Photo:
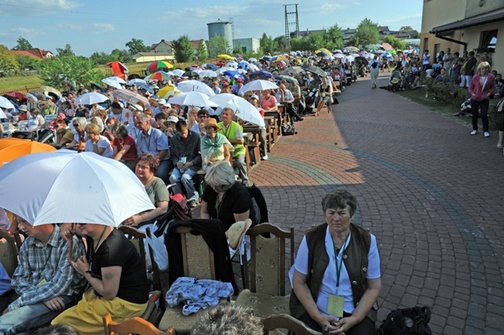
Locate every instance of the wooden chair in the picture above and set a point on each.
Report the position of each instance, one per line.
(9, 251)
(268, 270)
(134, 325)
(198, 261)
(287, 322)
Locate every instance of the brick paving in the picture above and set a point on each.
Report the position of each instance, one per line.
(428, 190)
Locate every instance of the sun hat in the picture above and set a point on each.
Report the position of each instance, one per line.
(236, 232)
(173, 119)
(62, 116)
(23, 108)
(137, 107)
(254, 96)
(211, 122)
(161, 101)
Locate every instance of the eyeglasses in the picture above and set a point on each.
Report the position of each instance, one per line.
(81, 224)
(75, 124)
(203, 115)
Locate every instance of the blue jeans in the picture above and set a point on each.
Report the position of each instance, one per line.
(30, 317)
(164, 169)
(186, 179)
(240, 168)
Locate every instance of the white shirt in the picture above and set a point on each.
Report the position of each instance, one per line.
(103, 142)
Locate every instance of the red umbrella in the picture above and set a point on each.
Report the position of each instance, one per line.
(159, 65)
(15, 95)
(118, 69)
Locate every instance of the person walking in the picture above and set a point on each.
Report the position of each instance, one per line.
(374, 68)
(481, 87)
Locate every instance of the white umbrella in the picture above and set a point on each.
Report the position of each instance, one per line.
(114, 81)
(252, 60)
(208, 73)
(192, 99)
(349, 58)
(177, 72)
(232, 64)
(136, 81)
(223, 69)
(242, 108)
(258, 85)
(253, 67)
(71, 187)
(2, 114)
(91, 98)
(339, 55)
(196, 86)
(5, 103)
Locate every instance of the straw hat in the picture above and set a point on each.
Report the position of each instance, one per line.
(236, 232)
(211, 122)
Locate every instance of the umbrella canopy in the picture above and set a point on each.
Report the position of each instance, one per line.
(242, 108)
(362, 60)
(114, 81)
(168, 88)
(49, 89)
(208, 73)
(260, 75)
(252, 60)
(350, 49)
(15, 95)
(10, 150)
(288, 79)
(76, 187)
(233, 74)
(339, 55)
(323, 52)
(196, 86)
(2, 114)
(225, 57)
(315, 70)
(386, 46)
(129, 97)
(192, 99)
(159, 75)
(177, 72)
(212, 67)
(293, 70)
(136, 81)
(5, 103)
(159, 65)
(91, 98)
(258, 85)
(190, 74)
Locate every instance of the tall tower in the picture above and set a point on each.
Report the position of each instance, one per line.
(291, 18)
(222, 28)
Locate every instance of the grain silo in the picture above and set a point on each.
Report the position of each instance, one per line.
(221, 28)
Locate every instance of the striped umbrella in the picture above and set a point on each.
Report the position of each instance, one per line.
(159, 65)
(129, 96)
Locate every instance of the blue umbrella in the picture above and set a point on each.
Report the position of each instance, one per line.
(212, 67)
(233, 74)
(260, 75)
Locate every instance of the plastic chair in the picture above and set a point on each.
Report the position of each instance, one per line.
(134, 325)
(285, 321)
(268, 270)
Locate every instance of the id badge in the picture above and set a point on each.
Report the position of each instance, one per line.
(335, 305)
(42, 282)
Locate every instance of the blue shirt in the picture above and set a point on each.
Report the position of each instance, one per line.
(153, 141)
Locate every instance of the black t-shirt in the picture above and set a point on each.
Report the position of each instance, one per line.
(117, 250)
(236, 200)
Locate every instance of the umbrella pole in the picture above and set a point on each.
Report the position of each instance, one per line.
(70, 246)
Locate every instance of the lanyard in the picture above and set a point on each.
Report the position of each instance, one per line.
(340, 265)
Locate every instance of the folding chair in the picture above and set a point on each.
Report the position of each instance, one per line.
(134, 325)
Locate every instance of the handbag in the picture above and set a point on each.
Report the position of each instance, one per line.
(500, 105)
(407, 321)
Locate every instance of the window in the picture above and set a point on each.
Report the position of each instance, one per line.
(488, 41)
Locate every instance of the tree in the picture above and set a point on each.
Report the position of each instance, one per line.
(8, 61)
(79, 70)
(183, 49)
(334, 38)
(267, 44)
(218, 45)
(22, 44)
(406, 28)
(66, 52)
(368, 32)
(281, 43)
(28, 63)
(135, 46)
(202, 51)
(395, 42)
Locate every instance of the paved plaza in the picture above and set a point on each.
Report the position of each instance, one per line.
(428, 190)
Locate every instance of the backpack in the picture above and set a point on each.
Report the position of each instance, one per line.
(407, 321)
(288, 129)
(374, 65)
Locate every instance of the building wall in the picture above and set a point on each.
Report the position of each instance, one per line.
(247, 44)
(163, 47)
(221, 28)
(152, 58)
(473, 36)
(474, 8)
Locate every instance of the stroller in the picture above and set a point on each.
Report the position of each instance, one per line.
(396, 80)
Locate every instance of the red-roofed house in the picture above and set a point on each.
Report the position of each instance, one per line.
(34, 53)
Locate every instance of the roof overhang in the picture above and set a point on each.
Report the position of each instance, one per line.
(477, 20)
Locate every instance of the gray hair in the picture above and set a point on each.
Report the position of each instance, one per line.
(220, 176)
(232, 112)
(80, 120)
(143, 117)
(340, 199)
(228, 320)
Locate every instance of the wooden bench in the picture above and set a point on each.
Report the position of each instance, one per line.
(251, 143)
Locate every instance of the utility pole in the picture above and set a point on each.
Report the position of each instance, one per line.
(291, 12)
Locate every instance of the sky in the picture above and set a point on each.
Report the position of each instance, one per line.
(101, 26)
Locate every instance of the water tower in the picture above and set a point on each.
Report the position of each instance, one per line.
(222, 28)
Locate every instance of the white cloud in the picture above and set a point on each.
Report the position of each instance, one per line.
(102, 27)
(69, 26)
(22, 30)
(36, 7)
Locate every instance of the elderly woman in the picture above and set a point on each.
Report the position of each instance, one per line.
(214, 146)
(97, 143)
(80, 136)
(64, 135)
(35, 121)
(481, 87)
(225, 199)
(336, 274)
(268, 101)
(117, 280)
(124, 146)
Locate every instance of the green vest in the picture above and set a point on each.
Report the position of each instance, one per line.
(230, 133)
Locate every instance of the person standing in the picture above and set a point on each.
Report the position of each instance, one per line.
(425, 60)
(481, 87)
(448, 61)
(374, 68)
(467, 70)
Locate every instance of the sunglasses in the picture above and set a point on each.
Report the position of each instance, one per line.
(75, 124)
